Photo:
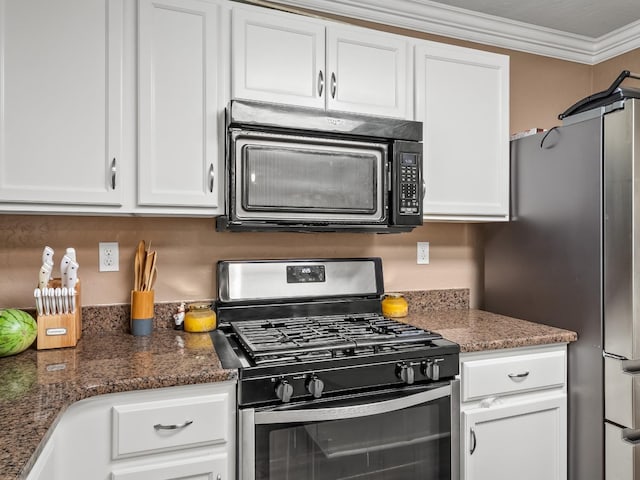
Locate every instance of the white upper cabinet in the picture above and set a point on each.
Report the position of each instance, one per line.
(277, 57)
(462, 97)
(367, 72)
(60, 103)
(290, 59)
(180, 103)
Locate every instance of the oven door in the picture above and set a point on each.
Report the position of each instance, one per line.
(401, 434)
(305, 179)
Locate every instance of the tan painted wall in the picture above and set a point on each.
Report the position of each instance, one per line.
(188, 248)
(606, 72)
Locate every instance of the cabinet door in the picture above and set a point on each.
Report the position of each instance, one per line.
(277, 57)
(520, 439)
(44, 467)
(462, 96)
(61, 103)
(210, 467)
(367, 72)
(180, 111)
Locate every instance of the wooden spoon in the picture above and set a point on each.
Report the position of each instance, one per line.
(138, 265)
(149, 264)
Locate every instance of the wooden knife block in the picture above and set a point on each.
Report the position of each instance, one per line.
(63, 329)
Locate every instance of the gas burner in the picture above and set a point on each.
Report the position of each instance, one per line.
(310, 338)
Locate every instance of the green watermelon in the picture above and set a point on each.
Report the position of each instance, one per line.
(18, 330)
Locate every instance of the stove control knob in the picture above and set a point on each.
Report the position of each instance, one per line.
(315, 386)
(431, 369)
(284, 390)
(405, 373)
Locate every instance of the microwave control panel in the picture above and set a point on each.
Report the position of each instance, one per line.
(409, 183)
(406, 202)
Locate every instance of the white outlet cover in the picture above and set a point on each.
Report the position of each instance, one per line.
(423, 253)
(108, 257)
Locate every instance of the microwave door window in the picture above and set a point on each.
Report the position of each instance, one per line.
(311, 181)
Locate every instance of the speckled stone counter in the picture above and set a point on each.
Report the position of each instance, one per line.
(37, 386)
(476, 330)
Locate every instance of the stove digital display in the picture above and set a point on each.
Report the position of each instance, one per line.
(305, 274)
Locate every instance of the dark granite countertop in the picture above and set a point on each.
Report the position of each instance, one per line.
(476, 330)
(37, 386)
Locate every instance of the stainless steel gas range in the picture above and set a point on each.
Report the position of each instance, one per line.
(328, 387)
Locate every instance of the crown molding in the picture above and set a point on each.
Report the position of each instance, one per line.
(439, 19)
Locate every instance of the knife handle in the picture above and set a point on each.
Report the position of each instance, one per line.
(47, 254)
(72, 274)
(44, 275)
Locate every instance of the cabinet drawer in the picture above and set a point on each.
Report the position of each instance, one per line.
(511, 374)
(201, 468)
(169, 424)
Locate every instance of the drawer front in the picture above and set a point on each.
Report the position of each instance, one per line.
(164, 425)
(512, 374)
(622, 392)
(211, 467)
(622, 452)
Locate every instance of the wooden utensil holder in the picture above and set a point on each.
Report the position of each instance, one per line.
(62, 329)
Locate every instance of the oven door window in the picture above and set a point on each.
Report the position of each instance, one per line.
(406, 444)
(302, 178)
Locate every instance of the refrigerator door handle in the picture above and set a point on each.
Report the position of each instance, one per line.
(629, 435)
(631, 367)
(614, 356)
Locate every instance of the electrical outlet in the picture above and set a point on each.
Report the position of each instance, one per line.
(423, 253)
(109, 257)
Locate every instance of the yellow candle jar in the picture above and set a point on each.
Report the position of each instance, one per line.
(199, 318)
(394, 305)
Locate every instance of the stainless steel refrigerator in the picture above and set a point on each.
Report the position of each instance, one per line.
(569, 257)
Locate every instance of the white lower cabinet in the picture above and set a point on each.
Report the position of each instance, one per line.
(162, 434)
(518, 427)
(44, 467)
(210, 467)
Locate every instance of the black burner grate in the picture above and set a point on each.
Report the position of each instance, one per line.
(314, 338)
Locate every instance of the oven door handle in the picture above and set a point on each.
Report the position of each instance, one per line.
(351, 411)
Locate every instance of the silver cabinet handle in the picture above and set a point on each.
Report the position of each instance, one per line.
(218, 477)
(113, 174)
(424, 189)
(159, 426)
(334, 85)
(212, 177)
(320, 83)
(474, 442)
(518, 375)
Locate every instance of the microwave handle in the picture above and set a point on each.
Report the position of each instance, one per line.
(352, 411)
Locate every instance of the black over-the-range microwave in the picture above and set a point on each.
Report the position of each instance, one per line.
(302, 169)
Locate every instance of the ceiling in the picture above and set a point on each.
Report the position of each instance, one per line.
(584, 31)
(590, 18)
